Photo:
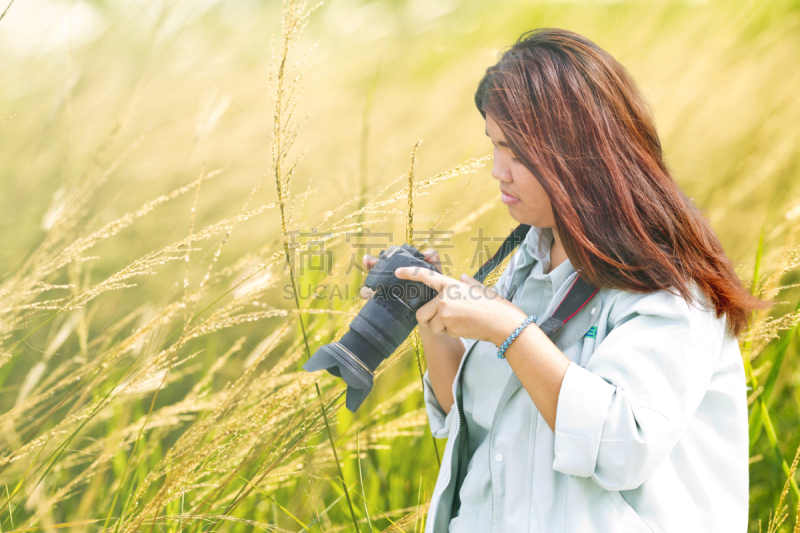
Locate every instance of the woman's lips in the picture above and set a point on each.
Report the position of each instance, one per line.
(508, 199)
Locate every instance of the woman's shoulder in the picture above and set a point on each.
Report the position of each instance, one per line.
(665, 307)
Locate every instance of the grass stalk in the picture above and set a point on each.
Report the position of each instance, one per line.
(130, 460)
(290, 261)
(274, 501)
(759, 414)
(416, 341)
(282, 182)
(10, 513)
(361, 481)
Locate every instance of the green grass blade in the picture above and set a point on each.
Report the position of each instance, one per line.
(773, 440)
(270, 498)
(361, 480)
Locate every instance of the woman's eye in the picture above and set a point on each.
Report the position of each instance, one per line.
(510, 154)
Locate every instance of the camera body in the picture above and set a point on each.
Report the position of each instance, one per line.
(390, 289)
(384, 322)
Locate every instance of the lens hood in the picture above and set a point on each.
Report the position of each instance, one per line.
(339, 361)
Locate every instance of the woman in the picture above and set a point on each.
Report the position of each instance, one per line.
(633, 417)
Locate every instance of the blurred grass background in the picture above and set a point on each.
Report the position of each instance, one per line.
(148, 94)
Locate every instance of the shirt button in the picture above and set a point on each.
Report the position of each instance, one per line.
(499, 457)
(593, 310)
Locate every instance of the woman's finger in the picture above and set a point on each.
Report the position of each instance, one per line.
(427, 312)
(432, 258)
(429, 277)
(431, 255)
(436, 325)
(366, 293)
(470, 280)
(369, 261)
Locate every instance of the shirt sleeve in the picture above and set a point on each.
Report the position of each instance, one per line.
(439, 421)
(621, 415)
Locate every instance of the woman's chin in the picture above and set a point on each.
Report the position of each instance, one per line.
(525, 218)
(515, 213)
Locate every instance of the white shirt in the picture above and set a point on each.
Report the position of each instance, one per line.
(484, 375)
(651, 426)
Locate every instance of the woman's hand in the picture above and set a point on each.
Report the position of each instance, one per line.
(431, 257)
(465, 308)
(469, 309)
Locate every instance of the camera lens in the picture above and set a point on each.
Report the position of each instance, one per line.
(380, 327)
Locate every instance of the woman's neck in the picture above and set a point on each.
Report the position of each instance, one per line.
(557, 253)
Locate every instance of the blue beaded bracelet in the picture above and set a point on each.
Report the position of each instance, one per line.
(510, 339)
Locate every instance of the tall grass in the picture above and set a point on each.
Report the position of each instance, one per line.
(155, 311)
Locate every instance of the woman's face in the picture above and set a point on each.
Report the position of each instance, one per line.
(526, 199)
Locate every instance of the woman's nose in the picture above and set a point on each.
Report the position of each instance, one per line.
(500, 170)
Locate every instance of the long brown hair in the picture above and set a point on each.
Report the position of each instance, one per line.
(576, 119)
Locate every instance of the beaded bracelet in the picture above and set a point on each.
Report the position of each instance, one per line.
(510, 339)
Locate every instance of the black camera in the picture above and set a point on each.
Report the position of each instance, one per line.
(386, 320)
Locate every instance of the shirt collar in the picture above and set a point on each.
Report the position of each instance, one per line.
(537, 243)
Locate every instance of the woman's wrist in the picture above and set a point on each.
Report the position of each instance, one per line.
(501, 350)
(433, 342)
(507, 325)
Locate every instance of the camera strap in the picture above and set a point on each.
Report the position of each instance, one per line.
(508, 246)
(577, 296)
